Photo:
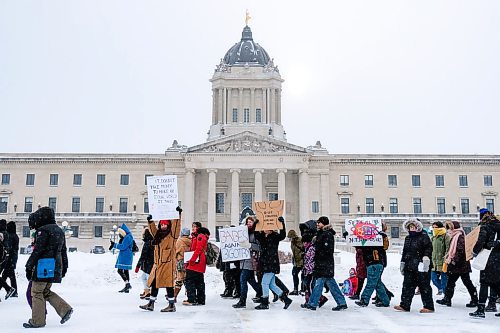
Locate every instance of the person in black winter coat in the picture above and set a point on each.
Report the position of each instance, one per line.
(146, 261)
(489, 238)
(50, 245)
(5, 258)
(415, 266)
(9, 271)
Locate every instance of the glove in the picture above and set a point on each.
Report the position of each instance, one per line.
(281, 219)
(344, 234)
(402, 268)
(427, 263)
(137, 269)
(149, 218)
(256, 221)
(179, 209)
(64, 271)
(29, 273)
(112, 245)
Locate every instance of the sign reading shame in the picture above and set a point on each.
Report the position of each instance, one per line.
(267, 212)
(231, 241)
(163, 197)
(364, 231)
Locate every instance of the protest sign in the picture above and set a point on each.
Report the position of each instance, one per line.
(364, 231)
(234, 243)
(267, 212)
(163, 197)
(470, 242)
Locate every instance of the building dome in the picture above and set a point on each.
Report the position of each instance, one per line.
(246, 52)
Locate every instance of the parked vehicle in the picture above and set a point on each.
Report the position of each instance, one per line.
(98, 249)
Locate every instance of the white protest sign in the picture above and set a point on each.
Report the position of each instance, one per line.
(163, 197)
(231, 241)
(364, 231)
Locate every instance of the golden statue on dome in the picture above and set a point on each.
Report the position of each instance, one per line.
(247, 17)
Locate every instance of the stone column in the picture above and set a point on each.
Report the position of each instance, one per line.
(273, 105)
(212, 178)
(258, 184)
(229, 105)
(303, 195)
(219, 105)
(241, 112)
(278, 106)
(264, 107)
(325, 194)
(268, 107)
(188, 201)
(224, 106)
(252, 106)
(235, 196)
(282, 187)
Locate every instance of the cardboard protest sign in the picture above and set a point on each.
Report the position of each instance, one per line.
(163, 197)
(267, 212)
(470, 241)
(234, 243)
(364, 231)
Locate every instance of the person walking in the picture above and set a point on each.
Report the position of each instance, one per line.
(440, 245)
(415, 267)
(125, 257)
(11, 263)
(5, 259)
(146, 261)
(47, 264)
(182, 245)
(297, 260)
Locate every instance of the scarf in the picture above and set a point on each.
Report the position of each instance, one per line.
(455, 235)
(438, 232)
(160, 234)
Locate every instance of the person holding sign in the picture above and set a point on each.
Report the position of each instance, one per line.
(163, 272)
(269, 241)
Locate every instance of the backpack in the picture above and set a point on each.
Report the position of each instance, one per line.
(211, 254)
(347, 288)
(135, 248)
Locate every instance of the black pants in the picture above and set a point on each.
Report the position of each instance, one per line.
(452, 281)
(295, 274)
(281, 285)
(232, 281)
(9, 273)
(361, 282)
(124, 274)
(155, 290)
(422, 280)
(195, 287)
(4, 284)
(483, 292)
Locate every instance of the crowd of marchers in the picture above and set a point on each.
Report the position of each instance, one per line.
(172, 257)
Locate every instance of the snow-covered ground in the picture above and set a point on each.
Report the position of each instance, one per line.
(92, 283)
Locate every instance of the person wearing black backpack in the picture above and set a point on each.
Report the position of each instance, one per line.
(4, 258)
(47, 264)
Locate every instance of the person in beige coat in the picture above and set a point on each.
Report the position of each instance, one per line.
(182, 245)
(162, 274)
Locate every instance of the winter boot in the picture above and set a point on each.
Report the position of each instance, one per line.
(66, 316)
(444, 301)
(497, 315)
(473, 302)
(126, 288)
(264, 305)
(340, 307)
(242, 303)
(257, 299)
(170, 307)
(294, 292)
(10, 293)
(150, 306)
(145, 293)
(479, 313)
(275, 297)
(425, 310)
(284, 298)
(492, 306)
(226, 294)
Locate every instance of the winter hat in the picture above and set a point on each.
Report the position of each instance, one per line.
(164, 222)
(204, 231)
(185, 232)
(324, 220)
(482, 212)
(44, 216)
(11, 227)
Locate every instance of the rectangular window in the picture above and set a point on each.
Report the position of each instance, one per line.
(490, 205)
(344, 205)
(393, 205)
(123, 205)
(146, 206)
(30, 179)
(392, 180)
(98, 231)
(101, 180)
(417, 206)
(415, 180)
(246, 200)
(235, 115)
(53, 203)
(219, 203)
(394, 232)
(77, 179)
(246, 115)
(54, 179)
(258, 115)
(370, 206)
(3, 205)
(26, 231)
(146, 179)
(75, 205)
(439, 181)
(5, 179)
(488, 180)
(75, 229)
(124, 179)
(464, 204)
(441, 205)
(368, 180)
(315, 207)
(99, 205)
(28, 204)
(272, 196)
(344, 180)
(462, 181)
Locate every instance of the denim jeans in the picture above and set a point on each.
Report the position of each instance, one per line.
(334, 290)
(247, 275)
(144, 279)
(269, 283)
(439, 279)
(374, 282)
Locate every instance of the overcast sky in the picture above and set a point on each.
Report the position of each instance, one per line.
(360, 76)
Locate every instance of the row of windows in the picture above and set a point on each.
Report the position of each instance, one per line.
(77, 179)
(416, 203)
(98, 231)
(246, 115)
(392, 180)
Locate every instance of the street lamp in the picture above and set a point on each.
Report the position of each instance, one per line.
(112, 235)
(66, 228)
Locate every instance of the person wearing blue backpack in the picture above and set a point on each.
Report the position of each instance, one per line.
(47, 264)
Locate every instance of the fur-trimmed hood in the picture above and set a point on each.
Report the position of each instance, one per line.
(414, 221)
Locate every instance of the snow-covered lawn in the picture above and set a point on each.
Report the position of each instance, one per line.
(92, 283)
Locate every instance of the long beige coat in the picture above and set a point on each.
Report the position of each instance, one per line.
(164, 261)
(182, 245)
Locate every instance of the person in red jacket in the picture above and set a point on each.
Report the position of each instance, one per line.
(196, 266)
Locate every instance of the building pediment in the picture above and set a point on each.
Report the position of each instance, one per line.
(247, 143)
